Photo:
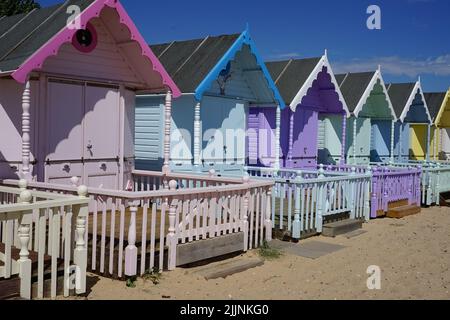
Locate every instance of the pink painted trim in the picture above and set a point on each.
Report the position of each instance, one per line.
(51, 48)
(93, 45)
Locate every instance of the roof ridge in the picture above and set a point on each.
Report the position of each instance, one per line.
(57, 10)
(191, 55)
(17, 23)
(283, 71)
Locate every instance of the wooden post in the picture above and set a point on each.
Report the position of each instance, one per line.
(291, 137)
(392, 141)
(131, 252)
(367, 194)
(80, 254)
(355, 132)
(268, 216)
(246, 180)
(197, 135)
(344, 138)
(435, 145)
(374, 199)
(26, 127)
(410, 188)
(167, 132)
(296, 225)
(353, 194)
(172, 240)
(277, 138)
(438, 186)
(428, 149)
(24, 238)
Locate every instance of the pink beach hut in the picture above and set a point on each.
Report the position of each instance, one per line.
(67, 93)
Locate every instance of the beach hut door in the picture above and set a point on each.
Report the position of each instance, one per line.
(82, 134)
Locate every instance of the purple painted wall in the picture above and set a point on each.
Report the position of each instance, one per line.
(299, 130)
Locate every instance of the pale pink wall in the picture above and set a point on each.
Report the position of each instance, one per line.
(11, 124)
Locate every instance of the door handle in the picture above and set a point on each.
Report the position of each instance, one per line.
(89, 146)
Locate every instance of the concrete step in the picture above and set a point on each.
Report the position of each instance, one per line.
(226, 269)
(401, 212)
(341, 227)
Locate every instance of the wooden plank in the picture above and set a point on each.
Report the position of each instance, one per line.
(226, 269)
(401, 212)
(210, 248)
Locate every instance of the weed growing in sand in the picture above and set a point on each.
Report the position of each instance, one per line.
(131, 282)
(266, 252)
(153, 275)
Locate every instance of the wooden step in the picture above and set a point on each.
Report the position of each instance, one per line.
(341, 227)
(392, 205)
(401, 212)
(9, 288)
(209, 248)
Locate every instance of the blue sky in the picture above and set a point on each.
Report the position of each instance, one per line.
(414, 39)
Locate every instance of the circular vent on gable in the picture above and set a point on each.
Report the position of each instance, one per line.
(85, 40)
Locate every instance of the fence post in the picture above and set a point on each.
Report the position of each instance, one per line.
(268, 216)
(410, 186)
(246, 180)
(374, 200)
(172, 240)
(418, 185)
(353, 194)
(429, 185)
(24, 238)
(80, 254)
(438, 184)
(367, 195)
(131, 253)
(296, 227)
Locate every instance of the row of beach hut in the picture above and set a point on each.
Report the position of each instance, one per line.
(190, 149)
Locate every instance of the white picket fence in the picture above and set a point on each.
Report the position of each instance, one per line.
(49, 226)
(132, 232)
(302, 199)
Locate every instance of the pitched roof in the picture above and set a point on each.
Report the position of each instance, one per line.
(399, 94)
(189, 62)
(353, 87)
(434, 102)
(22, 35)
(291, 75)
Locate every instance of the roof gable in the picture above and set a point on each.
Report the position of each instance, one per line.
(366, 92)
(195, 65)
(409, 101)
(51, 32)
(296, 78)
(189, 62)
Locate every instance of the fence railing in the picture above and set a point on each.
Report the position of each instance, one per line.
(390, 184)
(302, 199)
(133, 232)
(41, 235)
(435, 179)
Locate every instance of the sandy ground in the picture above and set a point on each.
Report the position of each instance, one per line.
(413, 254)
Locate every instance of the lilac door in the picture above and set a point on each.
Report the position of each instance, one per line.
(83, 134)
(304, 149)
